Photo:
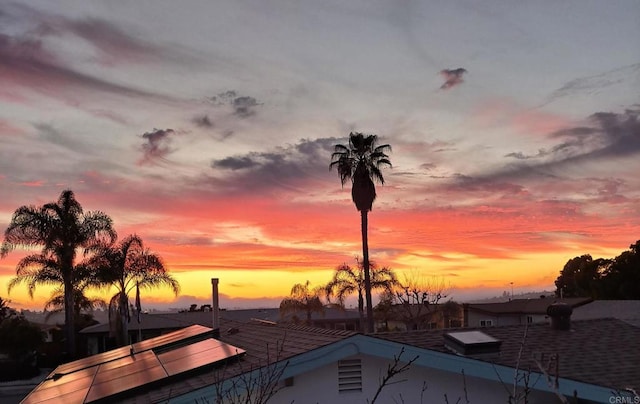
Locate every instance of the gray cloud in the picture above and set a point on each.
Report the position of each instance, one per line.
(237, 163)
(156, 146)
(609, 136)
(452, 77)
(243, 106)
(203, 121)
(289, 167)
(52, 135)
(590, 85)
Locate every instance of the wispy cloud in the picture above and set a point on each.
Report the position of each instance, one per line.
(30, 63)
(591, 85)
(203, 121)
(289, 167)
(243, 106)
(156, 146)
(606, 135)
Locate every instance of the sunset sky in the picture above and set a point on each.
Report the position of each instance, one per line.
(206, 127)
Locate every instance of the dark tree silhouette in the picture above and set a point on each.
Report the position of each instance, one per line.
(61, 228)
(303, 299)
(5, 310)
(581, 277)
(347, 280)
(602, 278)
(621, 279)
(361, 161)
(128, 266)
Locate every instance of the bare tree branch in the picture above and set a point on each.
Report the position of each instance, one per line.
(392, 371)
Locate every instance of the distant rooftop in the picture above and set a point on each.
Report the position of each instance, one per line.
(604, 352)
(526, 306)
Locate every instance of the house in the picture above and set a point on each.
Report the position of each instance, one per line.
(153, 325)
(591, 361)
(594, 361)
(626, 310)
(516, 311)
(405, 317)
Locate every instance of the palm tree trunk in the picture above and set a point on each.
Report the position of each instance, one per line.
(124, 320)
(361, 310)
(367, 276)
(70, 329)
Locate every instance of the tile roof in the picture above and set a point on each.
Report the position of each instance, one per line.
(604, 352)
(526, 306)
(263, 342)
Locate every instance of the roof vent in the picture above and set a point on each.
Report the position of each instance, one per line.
(472, 343)
(560, 314)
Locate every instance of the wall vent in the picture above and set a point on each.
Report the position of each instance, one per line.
(349, 375)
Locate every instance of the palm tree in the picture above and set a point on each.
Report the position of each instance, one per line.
(126, 267)
(303, 299)
(81, 303)
(361, 161)
(5, 310)
(347, 280)
(61, 228)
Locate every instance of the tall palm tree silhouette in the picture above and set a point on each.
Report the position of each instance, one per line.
(61, 228)
(360, 161)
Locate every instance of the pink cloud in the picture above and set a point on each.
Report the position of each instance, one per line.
(506, 114)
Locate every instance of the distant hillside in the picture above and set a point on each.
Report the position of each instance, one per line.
(506, 296)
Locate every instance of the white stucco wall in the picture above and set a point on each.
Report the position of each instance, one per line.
(321, 387)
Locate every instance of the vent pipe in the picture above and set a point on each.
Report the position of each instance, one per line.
(560, 314)
(215, 308)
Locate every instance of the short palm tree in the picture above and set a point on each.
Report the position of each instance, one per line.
(82, 302)
(361, 161)
(128, 266)
(347, 280)
(304, 299)
(61, 228)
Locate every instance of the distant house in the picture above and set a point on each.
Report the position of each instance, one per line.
(406, 317)
(587, 363)
(153, 325)
(513, 312)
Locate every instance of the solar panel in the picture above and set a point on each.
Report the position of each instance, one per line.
(103, 376)
(171, 338)
(93, 360)
(64, 388)
(196, 355)
(125, 374)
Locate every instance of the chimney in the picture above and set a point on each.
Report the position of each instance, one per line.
(215, 308)
(560, 314)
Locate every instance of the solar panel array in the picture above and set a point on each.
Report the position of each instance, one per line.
(107, 375)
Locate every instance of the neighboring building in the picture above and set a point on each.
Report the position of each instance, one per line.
(153, 325)
(513, 312)
(594, 361)
(405, 317)
(626, 310)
